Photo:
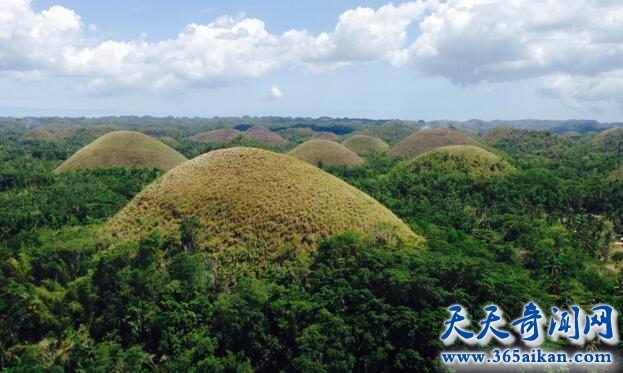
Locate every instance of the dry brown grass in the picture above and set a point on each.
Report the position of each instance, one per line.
(325, 135)
(266, 136)
(469, 160)
(429, 139)
(324, 153)
(123, 149)
(247, 197)
(220, 136)
(40, 134)
(364, 145)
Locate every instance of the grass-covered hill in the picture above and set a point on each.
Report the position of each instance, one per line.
(364, 145)
(610, 141)
(323, 153)
(266, 136)
(523, 143)
(325, 135)
(123, 149)
(429, 139)
(391, 132)
(467, 160)
(254, 198)
(41, 134)
(220, 136)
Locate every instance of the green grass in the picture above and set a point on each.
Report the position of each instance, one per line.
(323, 153)
(611, 141)
(247, 197)
(364, 145)
(469, 160)
(123, 149)
(422, 141)
(391, 132)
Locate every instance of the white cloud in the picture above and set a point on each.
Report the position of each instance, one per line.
(574, 47)
(275, 93)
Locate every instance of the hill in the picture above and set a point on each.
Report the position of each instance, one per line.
(40, 134)
(363, 145)
(325, 135)
(610, 141)
(429, 139)
(123, 149)
(468, 160)
(266, 136)
(522, 142)
(391, 132)
(254, 198)
(324, 153)
(220, 136)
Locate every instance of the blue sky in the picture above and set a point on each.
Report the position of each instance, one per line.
(459, 59)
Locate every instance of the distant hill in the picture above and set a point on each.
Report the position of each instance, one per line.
(324, 135)
(40, 134)
(364, 145)
(428, 139)
(254, 198)
(219, 136)
(391, 132)
(522, 143)
(610, 141)
(324, 153)
(266, 136)
(123, 149)
(468, 160)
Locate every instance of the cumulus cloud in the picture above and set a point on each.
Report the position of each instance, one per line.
(573, 47)
(275, 93)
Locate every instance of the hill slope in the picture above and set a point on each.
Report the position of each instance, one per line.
(469, 160)
(363, 145)
(123, 149)
(324, 153)
(611, 141)
(254, 197)
(429, 139)
(220, 136)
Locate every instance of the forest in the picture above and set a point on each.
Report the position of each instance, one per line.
(548, 232)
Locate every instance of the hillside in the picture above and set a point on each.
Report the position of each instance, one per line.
(610, 141)
(428, 139)
(522, 142)
(123, 149)
(324, 153)
(255, 198)
(266, 136)
(325, 135)
(40, 134)
(220, 136)
(364, 145)
(390, 132)
(468, 160)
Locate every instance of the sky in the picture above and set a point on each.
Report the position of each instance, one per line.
(454, 59)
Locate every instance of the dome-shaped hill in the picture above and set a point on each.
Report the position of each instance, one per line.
(325, 135)
(254, 198)
(422, 141)
(522, 142)
(323, 153)
(363, 145)
(266, 136)
(296, 133)
(391, 131)
(469, 160)
(40, 134)
(220, 136)
(123, 149)
(611, 141)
